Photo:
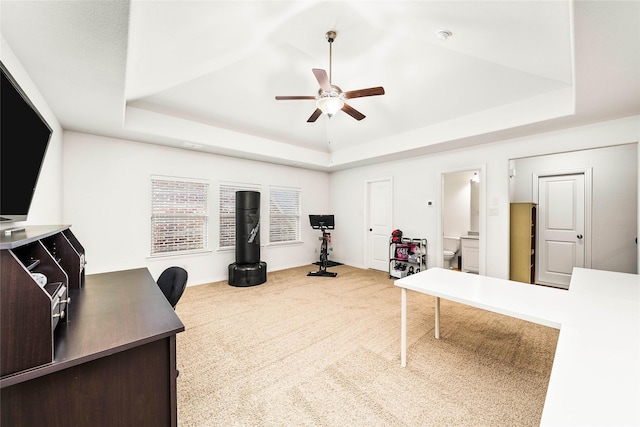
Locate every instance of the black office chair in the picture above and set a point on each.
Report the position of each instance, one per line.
(172, 282)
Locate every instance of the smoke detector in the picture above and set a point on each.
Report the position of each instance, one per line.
(443, 34)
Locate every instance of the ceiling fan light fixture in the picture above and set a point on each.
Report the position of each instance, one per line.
(330, 103)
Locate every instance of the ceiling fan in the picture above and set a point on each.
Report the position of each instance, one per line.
(330, 97)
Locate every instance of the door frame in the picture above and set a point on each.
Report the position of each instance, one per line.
(482, 220)
(367, 213)
(588, 188)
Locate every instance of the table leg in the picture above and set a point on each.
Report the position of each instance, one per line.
(437, 318)
(403, 329)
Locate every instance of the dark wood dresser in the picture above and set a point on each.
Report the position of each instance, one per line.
(114, 356)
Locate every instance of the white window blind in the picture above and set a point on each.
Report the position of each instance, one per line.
(179, 215)
(228, 212)
(284, 215)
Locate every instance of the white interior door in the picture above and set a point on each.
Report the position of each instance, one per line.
(379, 223)
(561, 228)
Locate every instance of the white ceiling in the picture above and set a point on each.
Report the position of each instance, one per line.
(203, 74)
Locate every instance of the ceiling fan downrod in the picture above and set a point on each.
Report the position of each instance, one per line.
(331, 36)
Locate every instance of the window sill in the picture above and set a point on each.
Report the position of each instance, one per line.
(276, 244)
(268, 245)
(182, 254)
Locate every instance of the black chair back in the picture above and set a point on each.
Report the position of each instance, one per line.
(172, 283)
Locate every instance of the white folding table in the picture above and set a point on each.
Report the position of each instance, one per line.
(595, 378)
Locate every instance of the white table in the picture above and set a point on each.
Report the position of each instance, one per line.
(595, 379)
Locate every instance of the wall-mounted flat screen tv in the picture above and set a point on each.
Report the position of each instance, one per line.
(24, 138)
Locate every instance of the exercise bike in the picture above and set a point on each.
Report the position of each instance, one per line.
(323, 223)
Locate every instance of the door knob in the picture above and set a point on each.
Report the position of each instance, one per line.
(579, 236)
(371, 229)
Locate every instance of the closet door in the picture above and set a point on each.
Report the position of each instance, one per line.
(561, 225)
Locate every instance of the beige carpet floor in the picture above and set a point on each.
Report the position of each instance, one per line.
(319, 351)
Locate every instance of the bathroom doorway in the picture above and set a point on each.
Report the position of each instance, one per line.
(462, 220)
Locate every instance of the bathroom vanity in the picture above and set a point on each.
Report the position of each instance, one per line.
(470, 248)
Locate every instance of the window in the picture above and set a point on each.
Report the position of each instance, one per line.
(179, 215)
(284, 215)
(228, 212)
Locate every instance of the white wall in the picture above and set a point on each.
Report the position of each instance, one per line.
(614, 195)
(107, 202)
(106, 192)
(46, 206)
(417, 180)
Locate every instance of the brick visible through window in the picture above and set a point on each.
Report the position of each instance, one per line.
(284, 215)
(228, 212)
(179, 215)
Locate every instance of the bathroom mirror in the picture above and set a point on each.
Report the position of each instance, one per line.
(474, 204)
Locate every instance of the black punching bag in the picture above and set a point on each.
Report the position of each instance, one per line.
(247, 227)
(248, 270)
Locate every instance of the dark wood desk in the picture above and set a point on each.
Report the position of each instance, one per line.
(114, 360)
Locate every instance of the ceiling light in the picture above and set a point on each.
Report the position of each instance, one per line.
(329, 103)
(443, 34)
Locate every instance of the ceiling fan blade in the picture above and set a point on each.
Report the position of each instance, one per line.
(280, 98)
(353, 112)
(372, 91)
(323, 79)
(314, 116)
